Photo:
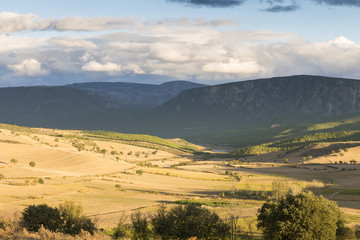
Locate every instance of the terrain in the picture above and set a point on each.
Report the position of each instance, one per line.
(233, 115)
(137, 95)
(114, 175)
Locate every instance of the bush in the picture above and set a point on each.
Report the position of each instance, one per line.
(68, 219)
(357, 231)
(32, 164)
(13, 160)
(1, 176)
(140, 226)
(184, 222)
(120, 231)
(35, 216)
(303, 216)
(74, 220)
(140, 172)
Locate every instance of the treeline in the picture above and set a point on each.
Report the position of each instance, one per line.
(296, 143)
(185, 147)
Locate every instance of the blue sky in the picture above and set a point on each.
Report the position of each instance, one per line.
(209, 41)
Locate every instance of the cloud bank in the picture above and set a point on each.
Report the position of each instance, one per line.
(167, 50)
(211, 3)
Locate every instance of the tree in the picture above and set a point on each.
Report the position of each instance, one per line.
(13, 160)
(303, 216)
(140, 226)
(36, 215)
(74, 219)
(184, 222)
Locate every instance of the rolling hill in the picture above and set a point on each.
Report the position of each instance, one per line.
(237, 114)
(136, 95)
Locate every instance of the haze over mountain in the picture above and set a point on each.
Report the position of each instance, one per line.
(137, 95)
(203, 111)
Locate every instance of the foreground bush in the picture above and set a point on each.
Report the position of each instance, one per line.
(35, 216)
(184, 222)
(303, 216)
(68, 219)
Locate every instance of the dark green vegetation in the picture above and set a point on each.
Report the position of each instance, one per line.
(297, 143)
(303, 216)
(142, 140)
(181, 222)
(68, 219)
(137, 95)
(237, 114)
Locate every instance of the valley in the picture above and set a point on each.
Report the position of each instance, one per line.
(114, 175)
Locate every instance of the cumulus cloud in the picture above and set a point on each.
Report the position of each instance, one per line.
(73, 43)
(28, 67)
(94, 66)
(179, 49)
(233, 66)
(169, 52)
(14, 22)
(354, 3)
(211, 3)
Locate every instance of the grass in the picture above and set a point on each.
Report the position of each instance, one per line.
(137, 139)
(297, 143)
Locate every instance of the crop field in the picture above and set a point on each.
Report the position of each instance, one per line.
(112, 178)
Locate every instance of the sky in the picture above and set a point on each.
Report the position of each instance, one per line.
(153, 41)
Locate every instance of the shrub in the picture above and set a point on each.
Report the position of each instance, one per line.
(1, 176)
(74, 220)
(13, 160)
(140, 172)
(120, 231)
(184, 222)
(41, 181)
(35, 216)
(140, 226)
(32, 164)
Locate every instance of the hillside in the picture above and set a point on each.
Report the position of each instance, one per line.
(236, 114)
(260, 107)
(136, 95)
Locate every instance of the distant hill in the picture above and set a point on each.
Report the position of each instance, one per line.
(49, 106)
(238, 114)
(136, 95)
(229, 110)
(269, 98)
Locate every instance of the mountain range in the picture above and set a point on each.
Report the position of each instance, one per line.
(251, 111)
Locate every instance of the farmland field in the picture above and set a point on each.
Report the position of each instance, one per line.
(112, 178)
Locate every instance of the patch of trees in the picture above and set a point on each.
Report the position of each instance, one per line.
(68, 218)
(182, 222)
(302, 216)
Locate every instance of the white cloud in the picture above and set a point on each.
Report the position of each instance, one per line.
(73, 43)
(94, 66)
(233, 66)
(169, 52)
(28, 67)
(172, 49)
(10, 22)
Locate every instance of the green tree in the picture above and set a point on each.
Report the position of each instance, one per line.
(36, 215)
(74, 219)
(303, 216)
(184, 222)
(140, 226)
(13, 160)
